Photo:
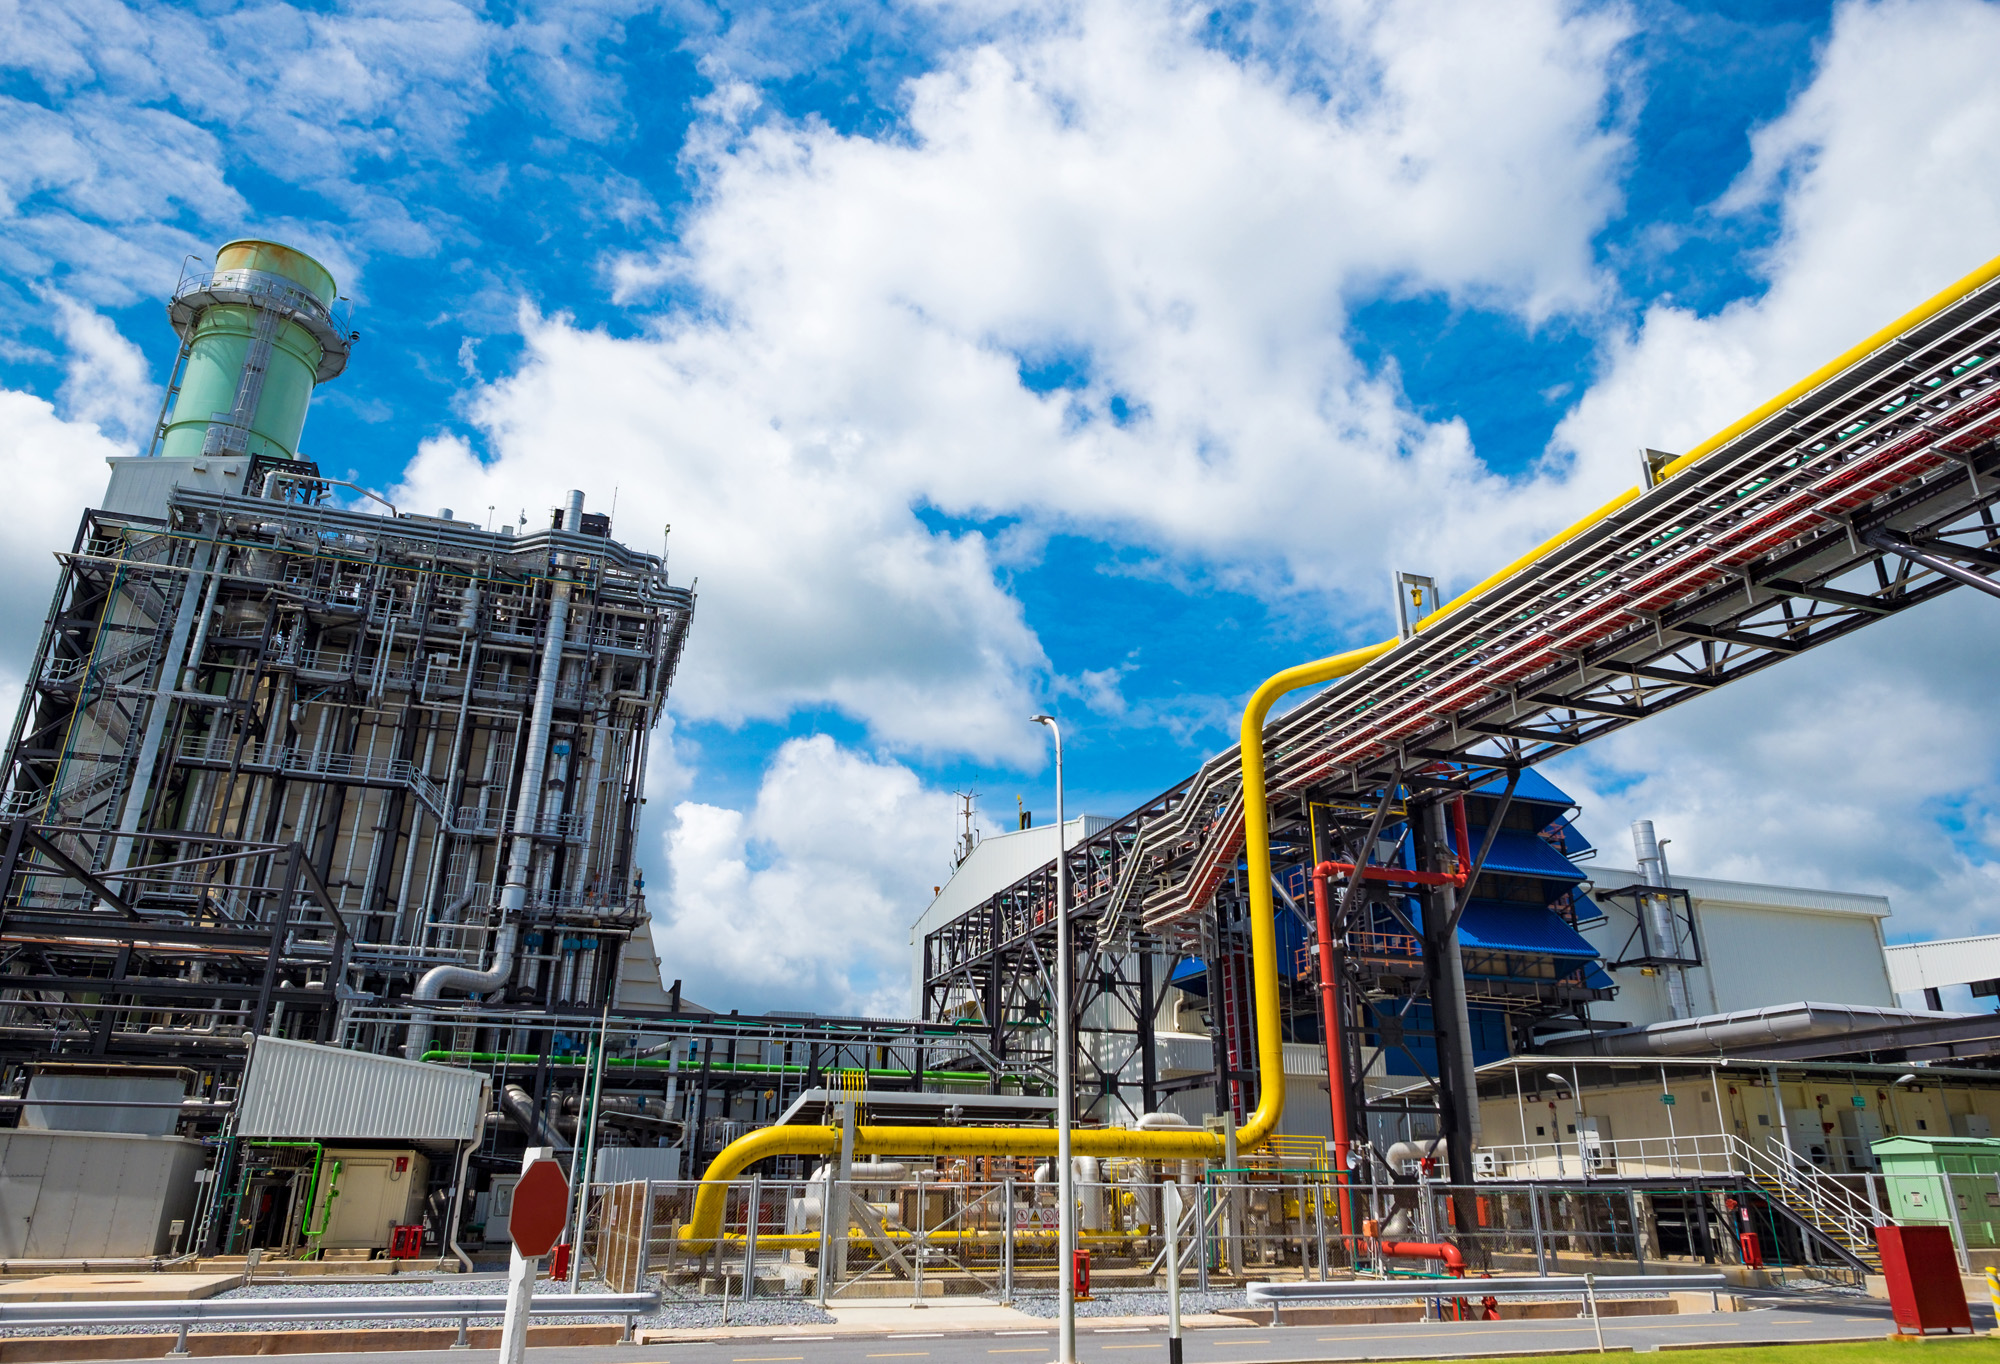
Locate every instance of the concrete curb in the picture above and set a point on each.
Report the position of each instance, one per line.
(223, 1344)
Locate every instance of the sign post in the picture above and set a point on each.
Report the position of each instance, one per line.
(541, 1207)
(1170, 1217)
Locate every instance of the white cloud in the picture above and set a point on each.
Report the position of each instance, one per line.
(1183, 227)
(1873, 764)
(805, 903)
(52, 469)
(107, 382)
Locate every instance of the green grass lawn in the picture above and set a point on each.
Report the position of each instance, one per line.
(1958, 1348)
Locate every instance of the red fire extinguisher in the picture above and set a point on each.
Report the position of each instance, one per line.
(1080, 1275)
(1747, 1239)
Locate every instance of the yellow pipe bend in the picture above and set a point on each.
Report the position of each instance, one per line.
(706, 1223)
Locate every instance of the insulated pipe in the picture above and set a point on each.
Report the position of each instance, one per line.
(520, 1106)
(706, 1222)
(437, 978)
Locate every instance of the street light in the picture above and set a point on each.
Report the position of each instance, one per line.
(1065, 1083)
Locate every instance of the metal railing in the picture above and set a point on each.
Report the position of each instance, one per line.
(1277, 1296)
(912, 1237)
(1825, 1199)
(222, 748)
(180, 1315)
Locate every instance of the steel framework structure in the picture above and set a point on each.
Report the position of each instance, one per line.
(248, 702)
(1858, 499)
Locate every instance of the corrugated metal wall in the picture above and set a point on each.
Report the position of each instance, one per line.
(303, 1091)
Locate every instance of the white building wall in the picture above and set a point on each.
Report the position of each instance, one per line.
(1949, 966)
(997, 863)
(1761, 945)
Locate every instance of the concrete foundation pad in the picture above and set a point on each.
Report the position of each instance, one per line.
(117, 1287)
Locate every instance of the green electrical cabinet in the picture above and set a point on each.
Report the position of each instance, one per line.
(1921, 1173)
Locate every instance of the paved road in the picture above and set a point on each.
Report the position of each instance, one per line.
(1787, 1319)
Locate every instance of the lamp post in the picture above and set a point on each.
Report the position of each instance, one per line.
(1065, 1084)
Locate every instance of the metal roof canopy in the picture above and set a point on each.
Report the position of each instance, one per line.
(303, 1091)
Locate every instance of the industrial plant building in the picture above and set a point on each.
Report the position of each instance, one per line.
(321, 898)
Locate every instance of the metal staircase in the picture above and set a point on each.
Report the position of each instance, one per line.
(1820, 1204)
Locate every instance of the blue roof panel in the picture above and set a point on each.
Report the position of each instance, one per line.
(1519, 854)
(1489, 926)
(1533, 788)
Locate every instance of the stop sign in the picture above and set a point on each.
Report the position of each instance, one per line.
(541, 1207)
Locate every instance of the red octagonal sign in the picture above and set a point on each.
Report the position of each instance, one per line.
(541, 1208)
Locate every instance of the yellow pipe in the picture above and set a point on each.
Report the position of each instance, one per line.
(706, 1223)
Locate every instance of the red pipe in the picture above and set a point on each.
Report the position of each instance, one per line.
(1336, 1079)
(1421, 878)
(1427, 1250)
(1336, 1051)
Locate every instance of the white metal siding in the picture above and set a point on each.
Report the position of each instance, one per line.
(302, 1091)
(1951, 961)
(70, 1195)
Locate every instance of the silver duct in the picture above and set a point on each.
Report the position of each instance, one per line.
(1659, 912)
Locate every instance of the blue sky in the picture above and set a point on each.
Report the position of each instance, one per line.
(1099, 356)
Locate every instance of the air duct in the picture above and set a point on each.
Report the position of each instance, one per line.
(1661, 930)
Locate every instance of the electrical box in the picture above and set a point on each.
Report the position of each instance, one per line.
(499, 1208)
(364, 1195)
(1971, 1125)
(1925, 1291)
(1593, 1142)
(1860, 1129)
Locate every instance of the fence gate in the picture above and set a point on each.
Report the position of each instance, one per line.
(625, 1230)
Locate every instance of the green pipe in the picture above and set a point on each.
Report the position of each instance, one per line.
(497, 1058)
(312, 1185)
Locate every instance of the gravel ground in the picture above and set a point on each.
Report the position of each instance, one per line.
(1129, 1303)
(671, 1313)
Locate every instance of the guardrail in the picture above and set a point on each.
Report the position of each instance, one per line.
(277, 1311)
(1277, 1296)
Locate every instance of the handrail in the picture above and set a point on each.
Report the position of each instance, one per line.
(705, 1224)
(1824, 1195)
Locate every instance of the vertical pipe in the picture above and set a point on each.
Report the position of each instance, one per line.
(1007, 1245)
(1535, 1216)
(750, 1219)
(1336, 1051)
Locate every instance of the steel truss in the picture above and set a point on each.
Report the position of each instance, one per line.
(179, 957)
(1867, 496)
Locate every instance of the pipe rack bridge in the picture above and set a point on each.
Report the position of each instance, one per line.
(1859, 492)
(1856, 494)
